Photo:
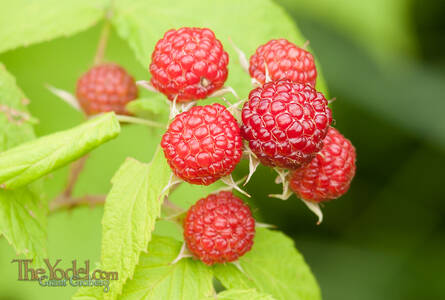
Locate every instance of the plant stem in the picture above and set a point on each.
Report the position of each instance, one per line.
(102, 45)
(172, 208)
(63, 201)
(75, 170)
(173, 213)
(149, 123)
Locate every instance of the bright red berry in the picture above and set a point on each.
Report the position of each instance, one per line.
(104, 88)
(285, 123)
(329, 174)
(219, 228)
(203, 144)
(284, 60)
(188, 63)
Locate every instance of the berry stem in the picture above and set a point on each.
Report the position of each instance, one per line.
(75, 170)
(103, 40)
(149, 123)
(147, 85)
(253, 162)
(173, 213)
(64, 202)
(224, 90)
(171, 207)
(183, 253)
(282, 178)
(264, 225)
(233, 185)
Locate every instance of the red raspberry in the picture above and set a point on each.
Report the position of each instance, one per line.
(284, 61)
(189, 63)
(285, 123)
(203, 144)
(219, 228)
(106, 87)
(329, 174)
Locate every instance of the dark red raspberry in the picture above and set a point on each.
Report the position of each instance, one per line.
(106, 87)
(329, 174)
(189, 63)
(285, 123)
(203, 144)
(219, 228)
(284, 60)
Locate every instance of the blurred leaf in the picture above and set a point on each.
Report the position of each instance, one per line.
(22, 215)
(88, 294)
(91, 292)
(155, 278)
(273, 266)
(404, 93)
(148, 107)
(339, 267)
(143, 23)
(32, 160)
(23, 221)
(235, 294)
(24, 22)
(131, 209)
(406, 236)
(14, 117)
(382, 27)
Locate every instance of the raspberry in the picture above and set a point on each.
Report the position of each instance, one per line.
(203, 144)
(188, 63)
(106, 87)
(329, 174)
(219, 228)
(285, 123)
(284, 61)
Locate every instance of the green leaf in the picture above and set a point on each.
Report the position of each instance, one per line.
(23, 221)
(24, 22)
(131, 210)
(155, 278)
(143, 23)
(22, 213)
(273, 266)
(30, 161)
(149, 107)
(236, 294)
(14, 117)
(90, 292)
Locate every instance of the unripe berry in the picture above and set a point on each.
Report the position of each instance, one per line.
(104, 88)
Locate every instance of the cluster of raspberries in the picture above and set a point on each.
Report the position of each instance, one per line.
(285, 123)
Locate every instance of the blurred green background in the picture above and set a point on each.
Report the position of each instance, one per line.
(384, 62)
